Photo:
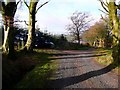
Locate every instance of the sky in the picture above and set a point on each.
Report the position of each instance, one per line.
(54, 16)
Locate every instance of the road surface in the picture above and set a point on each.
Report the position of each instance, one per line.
(78, 69)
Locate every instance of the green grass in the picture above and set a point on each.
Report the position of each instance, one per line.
(37, 78)
(30, 70)
(106, 59)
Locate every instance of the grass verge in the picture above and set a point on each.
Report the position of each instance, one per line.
(30, 70)
(107, 58)
(37, 78)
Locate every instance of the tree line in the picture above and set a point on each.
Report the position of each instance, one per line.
(98, 35)
(8, 10)
(103, 33)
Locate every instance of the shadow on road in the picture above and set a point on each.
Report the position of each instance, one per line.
(78, 56)
(66, 53)
(64, 82)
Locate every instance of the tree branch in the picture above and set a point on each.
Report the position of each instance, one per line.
(106, 21)
(104, 5)
(72, 19)
(18, 2)
(103, 11)
(26, 23)
(107, 3)
(41, 6)
(118, 6)
(26, 3)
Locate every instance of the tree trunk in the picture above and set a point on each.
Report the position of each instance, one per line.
(5, 42)
(78, 36)
(31, 28)
(8, 12)
(115, 31)
(94, 44)
(31, 32)
(11, 53)
(101, 43)
(8, 44)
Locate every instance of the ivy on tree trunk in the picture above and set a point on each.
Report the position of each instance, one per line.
(115, 31)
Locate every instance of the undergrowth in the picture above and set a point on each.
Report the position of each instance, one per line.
(28, 70)
(37, 78)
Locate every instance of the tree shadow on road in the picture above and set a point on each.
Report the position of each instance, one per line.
(64, 82)
(76, 56)
(71, 53)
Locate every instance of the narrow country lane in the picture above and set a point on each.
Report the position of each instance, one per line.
(81, 71)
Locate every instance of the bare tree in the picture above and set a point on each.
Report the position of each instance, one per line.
(32, 7)
(79, 22)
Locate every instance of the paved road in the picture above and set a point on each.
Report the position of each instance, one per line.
(81, 71)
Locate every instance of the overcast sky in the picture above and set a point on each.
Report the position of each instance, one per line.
(54, 16)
